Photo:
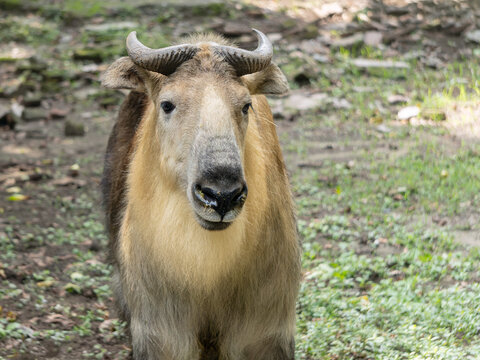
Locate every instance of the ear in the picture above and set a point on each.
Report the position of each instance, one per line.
(269, 81)
(124, 74)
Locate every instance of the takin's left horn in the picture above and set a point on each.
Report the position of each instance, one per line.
(247, 62)
(164, 61)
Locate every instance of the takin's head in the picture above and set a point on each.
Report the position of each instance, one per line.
(201, 95)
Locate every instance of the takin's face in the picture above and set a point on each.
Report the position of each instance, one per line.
(201, 123)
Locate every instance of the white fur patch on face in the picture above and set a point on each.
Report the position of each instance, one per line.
(160, 225)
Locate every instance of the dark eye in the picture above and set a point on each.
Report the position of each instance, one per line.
(246, 107)
(167, 106)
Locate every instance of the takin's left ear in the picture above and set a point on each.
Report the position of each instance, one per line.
(124, 74)
(269, 81)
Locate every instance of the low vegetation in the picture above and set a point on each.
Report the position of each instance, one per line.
(388, 208)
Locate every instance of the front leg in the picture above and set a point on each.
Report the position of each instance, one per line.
(151, 340)
(272, 348)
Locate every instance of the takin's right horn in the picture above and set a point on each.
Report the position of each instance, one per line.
(164, 61)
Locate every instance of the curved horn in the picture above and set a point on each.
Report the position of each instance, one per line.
(245, 61)
(164, 61)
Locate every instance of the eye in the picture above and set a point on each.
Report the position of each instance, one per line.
(167, 106)
(246, 107)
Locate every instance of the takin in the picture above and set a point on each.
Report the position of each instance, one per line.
(203, 240)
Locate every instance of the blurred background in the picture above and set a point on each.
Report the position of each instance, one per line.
(380, 134)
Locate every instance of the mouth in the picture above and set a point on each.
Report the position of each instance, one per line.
(212, 225)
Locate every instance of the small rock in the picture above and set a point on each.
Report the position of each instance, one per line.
(32, 99)
(11, 88)
(74, 170)
(382, 128)
(38, 133)
(65, 38)
(92, 54)
(473, 36)
(395, 99)
(116, 26)
(370, 63)
(363, 89)
(305, 102)
(34, 64)
(313, 47)
(323, 59)
(396, 10)
(340, 103)
(58, 113)
(327, 10)
(373, 38)
(90, 68)
(347, 42)
(235, 29)
(433, 62)
(17, 109)
(16, 52)
(274, 37)
(34, 114)
(73, 128)
(408, 112)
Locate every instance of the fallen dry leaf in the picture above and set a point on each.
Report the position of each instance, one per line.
(58, 319)
(68, 180)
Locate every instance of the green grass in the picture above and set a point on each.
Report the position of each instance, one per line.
(383, 279)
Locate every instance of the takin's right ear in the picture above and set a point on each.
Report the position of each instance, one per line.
(124, 74)
(269, 81)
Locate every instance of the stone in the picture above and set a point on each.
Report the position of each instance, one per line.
(32, 100)
(235, 29)
(372, 38)
(408, 112)
(347, 42)
(92, 54)
(396, 99)
(116, 26)
(313, 46)
(473, 36)
(382, 128)
(58, 113)
(327, 10)
(370, 63)
(301, 101)
(340, 103)
(275, 37)
(34, 114)
(323, 59)
(74, 128)
(11, 88)
(15, 52)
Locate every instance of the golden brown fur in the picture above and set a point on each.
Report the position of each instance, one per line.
(187, 292)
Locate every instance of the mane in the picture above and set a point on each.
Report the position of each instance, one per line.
(205, 60)
(205, 38)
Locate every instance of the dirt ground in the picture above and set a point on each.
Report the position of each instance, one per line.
(56, 119)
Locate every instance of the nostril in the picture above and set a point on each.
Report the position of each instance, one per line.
(240, 195)
(205, 195)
